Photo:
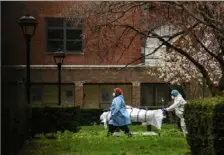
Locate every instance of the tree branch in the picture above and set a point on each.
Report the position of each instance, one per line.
(184, 53)
(127, 46)
(209, 52)
(197, 18)
(154, 51)
(197, 64)
(147, 35)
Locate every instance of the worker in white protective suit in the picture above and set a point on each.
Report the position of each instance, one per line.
(178, 106)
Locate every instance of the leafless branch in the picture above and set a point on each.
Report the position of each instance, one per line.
(198, 19)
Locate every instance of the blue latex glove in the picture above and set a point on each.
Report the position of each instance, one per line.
(164, 109)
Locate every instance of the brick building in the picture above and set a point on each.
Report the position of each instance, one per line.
(85, 81)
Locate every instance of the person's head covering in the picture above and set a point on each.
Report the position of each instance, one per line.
(175, 92)
(119, 91)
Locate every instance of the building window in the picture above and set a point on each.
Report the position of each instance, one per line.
(36, 94)
(155, 94)
(105, 96)
(151, 44)
(69, 98)
(64, 34)
(69, 93)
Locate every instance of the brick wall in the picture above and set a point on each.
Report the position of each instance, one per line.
(79, 93)
(86, 75)
(136, 93)
(80, 76)
(13, 43)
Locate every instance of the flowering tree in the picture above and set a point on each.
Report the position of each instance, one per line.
(178, 69)
(199, 54)
(194, 52)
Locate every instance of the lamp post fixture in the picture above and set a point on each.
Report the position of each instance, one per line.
(28, 25)
(58, 59)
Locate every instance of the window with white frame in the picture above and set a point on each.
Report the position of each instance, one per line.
(65, 35)
(153, 43)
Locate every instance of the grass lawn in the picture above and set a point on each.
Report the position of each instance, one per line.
(92, 140)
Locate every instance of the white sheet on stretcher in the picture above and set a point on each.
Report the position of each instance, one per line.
(151, 117)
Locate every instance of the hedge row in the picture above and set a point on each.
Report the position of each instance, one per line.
(205, 124)
(90, 116)
(53, 119)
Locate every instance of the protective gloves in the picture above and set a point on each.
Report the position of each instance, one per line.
(164, 110)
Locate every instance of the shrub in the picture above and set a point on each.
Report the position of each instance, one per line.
(53, 119)
(205, 124)
(90, 116)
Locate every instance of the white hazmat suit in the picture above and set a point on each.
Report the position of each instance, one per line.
(178, 106)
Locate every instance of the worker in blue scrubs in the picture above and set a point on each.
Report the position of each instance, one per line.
(119, 115)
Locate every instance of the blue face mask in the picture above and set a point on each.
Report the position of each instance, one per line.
(114, 94)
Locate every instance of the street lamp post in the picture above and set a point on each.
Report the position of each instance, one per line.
(59, 58)
(28, 25)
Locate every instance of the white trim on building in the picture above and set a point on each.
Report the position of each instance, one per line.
(71, 66)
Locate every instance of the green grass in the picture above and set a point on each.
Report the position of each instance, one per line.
(92, 140)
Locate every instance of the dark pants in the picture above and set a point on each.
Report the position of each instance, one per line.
(112, 129)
